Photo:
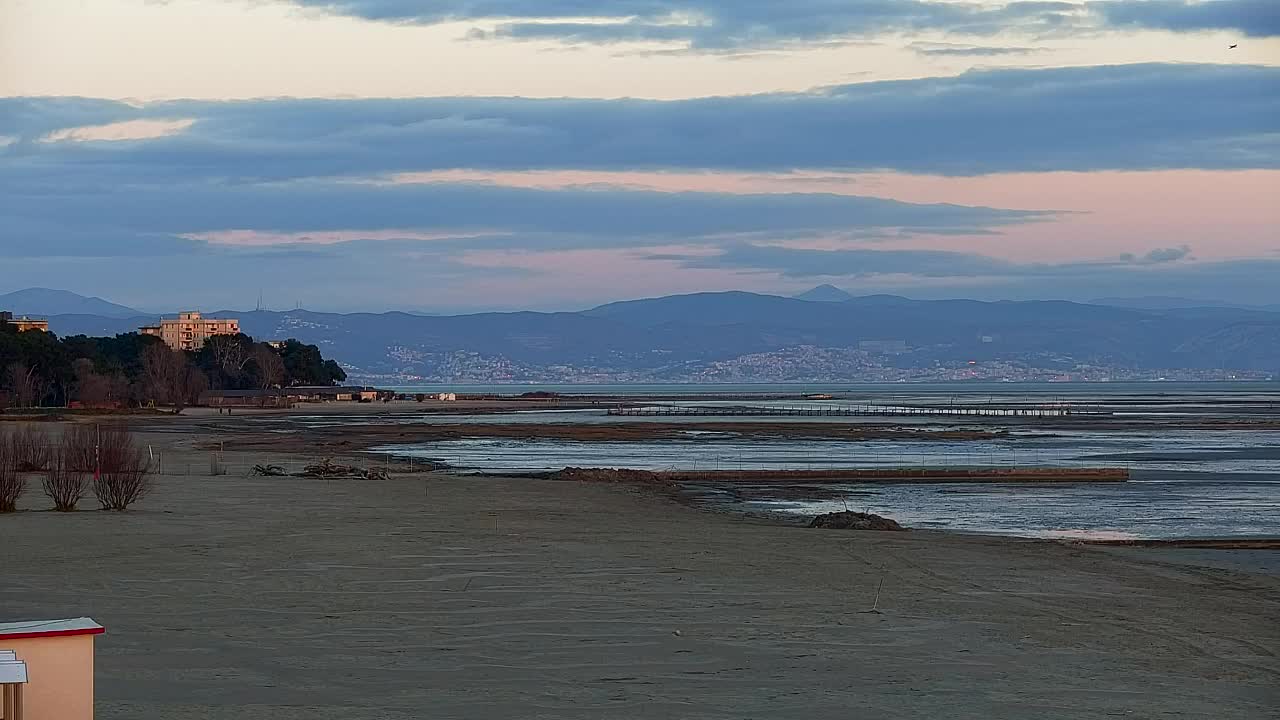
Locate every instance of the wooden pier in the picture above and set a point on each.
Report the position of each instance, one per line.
(852, 411)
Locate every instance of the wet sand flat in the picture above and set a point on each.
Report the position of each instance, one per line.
(448, 597)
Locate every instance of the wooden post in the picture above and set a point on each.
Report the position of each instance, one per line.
(11, 701)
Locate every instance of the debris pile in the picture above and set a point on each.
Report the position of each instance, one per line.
(611, 475)
(854, 521)
(327, 469)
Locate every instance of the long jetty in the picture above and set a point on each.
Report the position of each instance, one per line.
(850, 411)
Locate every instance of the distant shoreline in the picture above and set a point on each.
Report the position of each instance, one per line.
(797, 385)
(1205, 543)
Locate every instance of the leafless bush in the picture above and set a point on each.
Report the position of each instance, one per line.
(32, 449)
(12, 483)
(78, 447)
(64, 484)
(122, 469)
(65, 481)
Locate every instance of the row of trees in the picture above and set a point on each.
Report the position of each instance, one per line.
(107, 461)
(39, 369)
(237, 362)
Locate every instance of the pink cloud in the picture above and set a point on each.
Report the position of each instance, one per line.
(1220, 214)
(264, 238)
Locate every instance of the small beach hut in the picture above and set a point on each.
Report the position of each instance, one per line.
(46, 669)
(13, 676)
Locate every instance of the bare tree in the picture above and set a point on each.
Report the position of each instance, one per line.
(25, 383)
(157, 365)
(118, 390)
(12, 482)
(92, 389)
(64, 484)
(229, 353)
(171, 378)
(189, 383)
(122, 474)
(270, 366)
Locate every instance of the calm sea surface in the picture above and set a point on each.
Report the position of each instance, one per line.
(1186, 482)
(887, 389)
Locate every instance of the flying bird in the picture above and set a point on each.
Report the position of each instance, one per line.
(1231, 47)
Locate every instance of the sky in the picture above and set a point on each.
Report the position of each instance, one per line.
(470, 155)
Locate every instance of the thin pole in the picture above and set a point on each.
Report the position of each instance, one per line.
(875, 604)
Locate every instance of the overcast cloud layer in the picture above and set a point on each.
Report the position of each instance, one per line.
(1117, 117)
(568, 218)
(719, 24)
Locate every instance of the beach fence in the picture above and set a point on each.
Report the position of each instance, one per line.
(234, 464)
(229, 462)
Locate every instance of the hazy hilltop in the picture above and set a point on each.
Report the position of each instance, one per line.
(825, 293)
(45, 301)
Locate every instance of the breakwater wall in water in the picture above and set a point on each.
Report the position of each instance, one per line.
(853, 475)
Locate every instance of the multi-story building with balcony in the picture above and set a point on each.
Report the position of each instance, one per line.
(190, 330)
(24, 323)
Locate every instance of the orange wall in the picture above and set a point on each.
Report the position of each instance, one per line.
(59, 676)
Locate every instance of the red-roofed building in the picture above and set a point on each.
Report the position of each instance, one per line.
(46, 669)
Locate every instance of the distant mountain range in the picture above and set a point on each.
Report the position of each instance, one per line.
(1176, 303)
(43, 301)
(831, 293)
(749, 335)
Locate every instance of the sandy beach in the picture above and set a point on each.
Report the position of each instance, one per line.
(428, 595)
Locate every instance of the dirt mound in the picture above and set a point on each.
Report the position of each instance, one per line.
(854, 521)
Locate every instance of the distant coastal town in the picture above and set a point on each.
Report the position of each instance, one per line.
(801, 364)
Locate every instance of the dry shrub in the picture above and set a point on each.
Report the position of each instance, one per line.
(64, 484)
(32, 449)
(78, 447)
(123, 469)
(12, 482)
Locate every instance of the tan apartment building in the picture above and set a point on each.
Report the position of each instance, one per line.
(24, 323)
(190, 330)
